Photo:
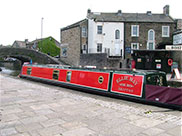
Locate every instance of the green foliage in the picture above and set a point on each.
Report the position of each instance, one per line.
(1, 58)
(48, 46)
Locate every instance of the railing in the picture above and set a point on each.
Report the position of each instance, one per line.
(47, 65)
(109, 51)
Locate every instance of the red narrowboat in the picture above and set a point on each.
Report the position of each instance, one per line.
(136, 85)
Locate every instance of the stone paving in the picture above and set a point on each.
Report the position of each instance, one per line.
(29, 108)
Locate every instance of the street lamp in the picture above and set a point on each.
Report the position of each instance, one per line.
(42, 27)
(41, 30)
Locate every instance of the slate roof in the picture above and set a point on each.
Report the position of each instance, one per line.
(37, 40)
(73, 25)
(21, 44)
(130, 17)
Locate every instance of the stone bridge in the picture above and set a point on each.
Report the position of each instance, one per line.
(25, 55)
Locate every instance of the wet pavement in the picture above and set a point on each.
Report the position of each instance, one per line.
(30, 108)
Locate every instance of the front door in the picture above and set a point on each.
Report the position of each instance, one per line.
(117, 49)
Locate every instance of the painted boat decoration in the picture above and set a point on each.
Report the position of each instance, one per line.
(149, 87)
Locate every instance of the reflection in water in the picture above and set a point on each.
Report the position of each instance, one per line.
(10, 67)
(10, 71)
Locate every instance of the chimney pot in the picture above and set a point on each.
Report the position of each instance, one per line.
(119, 13)
(166, 10)
(89, 11)
(149, 13)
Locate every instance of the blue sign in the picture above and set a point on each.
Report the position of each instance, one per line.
(128, 49)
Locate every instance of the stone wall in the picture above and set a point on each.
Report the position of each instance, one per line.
(36, 56)
(179, 24)
(70, 39)
(84, 40)
(100, 60)
(143, 35)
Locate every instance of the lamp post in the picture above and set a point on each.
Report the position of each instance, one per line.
(42, 27)
(41, 30)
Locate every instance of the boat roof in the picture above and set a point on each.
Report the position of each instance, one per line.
(116, 70)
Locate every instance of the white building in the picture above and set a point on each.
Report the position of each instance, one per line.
(177, 38)
(106, 37)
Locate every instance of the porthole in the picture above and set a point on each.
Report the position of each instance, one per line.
(101, 79)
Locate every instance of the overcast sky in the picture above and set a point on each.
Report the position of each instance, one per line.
(21, 19)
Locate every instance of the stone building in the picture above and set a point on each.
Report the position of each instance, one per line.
(74, 42)
(20, 44)
(34, 44)
(108, 39)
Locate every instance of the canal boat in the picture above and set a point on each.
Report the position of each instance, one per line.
(149, 87)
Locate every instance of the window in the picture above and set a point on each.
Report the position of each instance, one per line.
(84, 49)
(151, 35)
(84, 32)
(151, 40)
(68, 77)
(99, 29)
(135, 30)
(29, 71)
(151, 46)
(135, 46)
(64, 52)
(117, 34)
(165, 31)
(155, 80)
(55, 75)
(99, 47)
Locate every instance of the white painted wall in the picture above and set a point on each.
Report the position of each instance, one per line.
(107, 38)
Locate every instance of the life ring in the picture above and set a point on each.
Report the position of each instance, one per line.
(170, 62)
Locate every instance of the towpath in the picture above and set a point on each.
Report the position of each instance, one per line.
(29, 108)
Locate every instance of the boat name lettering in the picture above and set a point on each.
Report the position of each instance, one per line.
(126, 78)
(125, 90)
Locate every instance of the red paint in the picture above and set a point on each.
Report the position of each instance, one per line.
(133, 64)
(90, 79)
(42, 72)
(78, 77)
(24, 70)
(170, 62)
(127, 84)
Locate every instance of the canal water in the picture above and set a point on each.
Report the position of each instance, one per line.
(11, 72)
(11, 68)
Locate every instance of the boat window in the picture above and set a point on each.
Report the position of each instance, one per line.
(55, 74)
(68, 77)
(29, 70)
(155, 80)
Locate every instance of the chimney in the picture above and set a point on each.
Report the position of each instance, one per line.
(179, 24)
(166, 10)
(119, 13)
(149, 13)
(26, 41)
(88, 11)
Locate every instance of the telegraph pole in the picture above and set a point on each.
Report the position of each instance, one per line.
(42, 27)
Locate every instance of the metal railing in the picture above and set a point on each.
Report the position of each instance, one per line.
(108, 51)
